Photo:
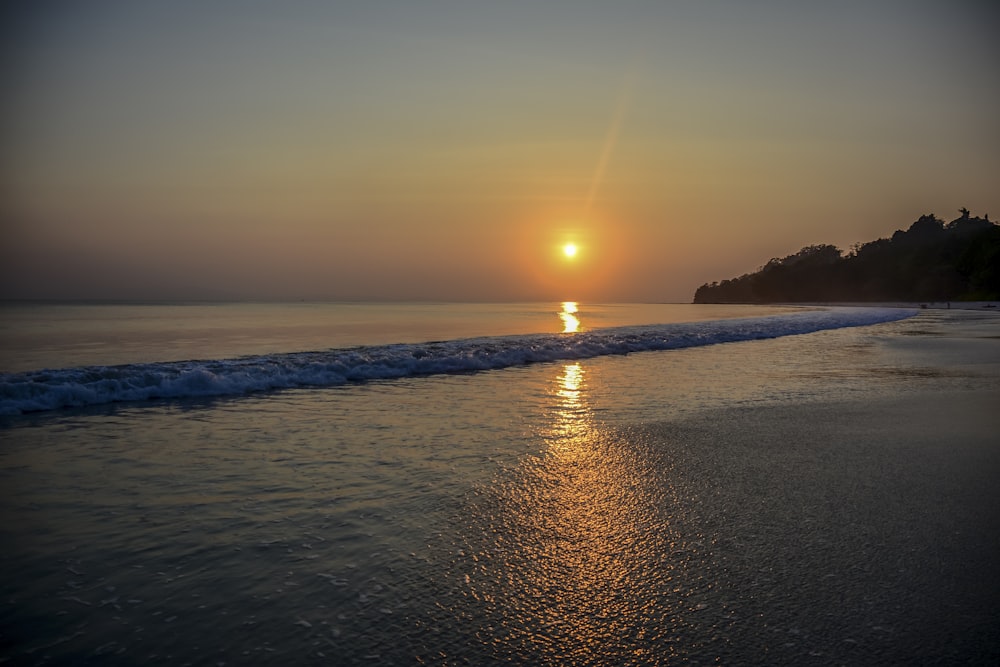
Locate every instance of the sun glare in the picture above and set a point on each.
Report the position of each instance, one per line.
(571, 323)
(569, 250)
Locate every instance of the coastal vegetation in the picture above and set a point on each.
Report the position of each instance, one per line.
(930, 261)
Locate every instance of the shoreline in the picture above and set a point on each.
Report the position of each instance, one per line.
(406, 519)
(855, 530)
(985, 306)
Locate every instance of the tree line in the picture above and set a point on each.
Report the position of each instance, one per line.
(930, 261)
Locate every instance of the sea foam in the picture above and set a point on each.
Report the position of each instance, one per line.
(42, 390)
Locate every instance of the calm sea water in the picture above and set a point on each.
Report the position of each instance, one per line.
(529, 515)
(34, 336)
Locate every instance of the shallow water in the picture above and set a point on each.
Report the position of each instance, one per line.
(535, 515)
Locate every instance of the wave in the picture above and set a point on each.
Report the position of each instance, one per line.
(43, 390)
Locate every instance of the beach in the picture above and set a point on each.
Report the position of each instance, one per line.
(857, 532)
(859, 529)
(826, 498)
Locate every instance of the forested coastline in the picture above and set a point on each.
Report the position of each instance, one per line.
(930, 261)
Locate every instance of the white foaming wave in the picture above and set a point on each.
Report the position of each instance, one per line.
(36, 391)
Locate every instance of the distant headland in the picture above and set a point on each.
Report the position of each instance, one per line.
(930, 261)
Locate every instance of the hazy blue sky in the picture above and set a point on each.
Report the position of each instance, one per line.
(445, 150)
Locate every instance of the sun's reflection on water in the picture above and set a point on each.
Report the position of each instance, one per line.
(570, 415)
(571, 323)
(582, 554)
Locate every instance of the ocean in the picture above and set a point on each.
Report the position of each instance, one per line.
(460, 483)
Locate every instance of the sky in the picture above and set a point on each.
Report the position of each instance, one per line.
(447, 150)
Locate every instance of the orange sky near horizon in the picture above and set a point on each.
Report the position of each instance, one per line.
(448, 150)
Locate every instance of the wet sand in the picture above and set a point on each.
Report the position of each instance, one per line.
(853, 532)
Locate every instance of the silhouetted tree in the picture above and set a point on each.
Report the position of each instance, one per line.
(930, 261)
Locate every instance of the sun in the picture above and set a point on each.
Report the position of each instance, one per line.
(569, 250)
